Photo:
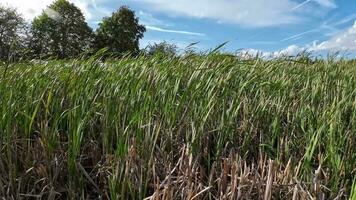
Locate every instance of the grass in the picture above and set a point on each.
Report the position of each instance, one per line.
(194, 127)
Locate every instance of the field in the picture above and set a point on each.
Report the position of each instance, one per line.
(194, 127)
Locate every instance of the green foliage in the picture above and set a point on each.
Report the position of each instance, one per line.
(12, 34)
(164, 48)
(60, 31)
(120, 32)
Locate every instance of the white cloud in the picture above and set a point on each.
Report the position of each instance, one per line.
(344, 41)
(341, 42)
(291, 50)
(257, 13)
(32, 8)
(29, 9)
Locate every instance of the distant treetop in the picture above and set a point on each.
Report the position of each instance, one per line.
(120, 32)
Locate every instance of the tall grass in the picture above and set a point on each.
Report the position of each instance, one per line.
(200, 127)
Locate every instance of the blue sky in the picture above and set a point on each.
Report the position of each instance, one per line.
(266, 26)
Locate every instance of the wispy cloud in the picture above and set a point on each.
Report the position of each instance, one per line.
(345, 19)
(326, 3)
(154, 28)
(342, 41)
(299, 35)
(301, 5)
(150, 20)
(259, 13)
(328, 28)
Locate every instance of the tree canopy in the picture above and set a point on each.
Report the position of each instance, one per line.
(120, 32)
(163, 48)
(60, 31)
(12, 28)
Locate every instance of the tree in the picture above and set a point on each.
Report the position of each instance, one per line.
(60, 31)
(120, 32)
(12, 31)
(163, 48)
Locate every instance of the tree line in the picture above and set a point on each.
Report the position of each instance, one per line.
(62, 32)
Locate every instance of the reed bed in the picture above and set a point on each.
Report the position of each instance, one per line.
(192, 127)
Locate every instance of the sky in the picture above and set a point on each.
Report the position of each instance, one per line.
(267, 27)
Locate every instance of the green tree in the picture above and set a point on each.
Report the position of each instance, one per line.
(120, 32)
(163, 48)
(12, 32)
(60, 31)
